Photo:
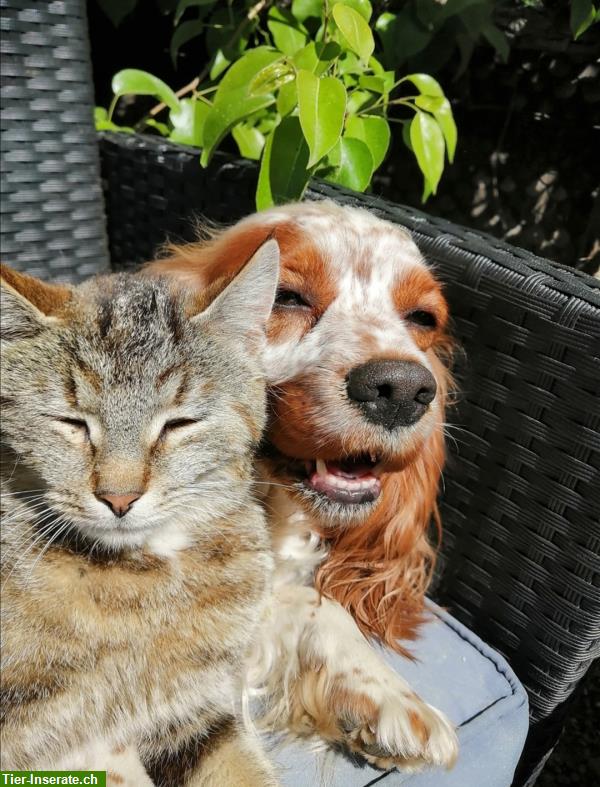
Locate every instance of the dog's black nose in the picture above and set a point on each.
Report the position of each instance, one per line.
(391, 393)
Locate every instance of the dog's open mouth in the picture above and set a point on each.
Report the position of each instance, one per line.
(351, 480)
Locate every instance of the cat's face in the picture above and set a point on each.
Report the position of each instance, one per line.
(133, 420)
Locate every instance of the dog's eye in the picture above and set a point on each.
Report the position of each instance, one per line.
(290, 299)
(177, 423)
(422, 318)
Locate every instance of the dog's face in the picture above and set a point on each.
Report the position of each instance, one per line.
(355, 338)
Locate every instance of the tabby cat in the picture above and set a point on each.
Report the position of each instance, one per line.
(135, 560)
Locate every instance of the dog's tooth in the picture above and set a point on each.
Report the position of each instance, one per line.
(321, 467)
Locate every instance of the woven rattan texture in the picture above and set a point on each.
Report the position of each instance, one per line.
(521, 552)
(51, 205)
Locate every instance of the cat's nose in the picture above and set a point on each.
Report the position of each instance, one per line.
(118, 504)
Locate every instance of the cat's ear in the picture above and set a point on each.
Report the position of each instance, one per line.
(244, 306)
(28, 305)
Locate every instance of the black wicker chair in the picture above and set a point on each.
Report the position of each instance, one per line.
(521, 552)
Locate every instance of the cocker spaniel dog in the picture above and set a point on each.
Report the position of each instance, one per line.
(357, 360)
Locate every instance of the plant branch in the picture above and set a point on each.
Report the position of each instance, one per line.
(253, 12)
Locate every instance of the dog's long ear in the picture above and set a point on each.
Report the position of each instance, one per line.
(28, 305)
(199, 265)
(381, 570)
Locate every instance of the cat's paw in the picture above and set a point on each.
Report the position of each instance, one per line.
(381, 719)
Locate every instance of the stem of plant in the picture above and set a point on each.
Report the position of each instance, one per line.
(253, 12)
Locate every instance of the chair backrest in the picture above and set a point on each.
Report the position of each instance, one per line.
(521, 552)
(51, 199)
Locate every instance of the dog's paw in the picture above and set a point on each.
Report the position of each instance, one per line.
(380, 719)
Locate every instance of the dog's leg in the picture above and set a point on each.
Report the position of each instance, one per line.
(333, 684)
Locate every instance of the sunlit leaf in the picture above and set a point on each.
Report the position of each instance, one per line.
(272, 77)
(426, 84)
(445, 119)
(316, 56)
(289, 35)
(188, 122)
(355, 30)
(232, 101)
(363, 7)
(283, 172)
(249, 139)
(374, 132)
(303, 9)
(287, 98)
(427, 143)
(141, 83)
(322, 103)
(355, 166)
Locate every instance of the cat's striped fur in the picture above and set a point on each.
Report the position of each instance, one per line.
(124, 629)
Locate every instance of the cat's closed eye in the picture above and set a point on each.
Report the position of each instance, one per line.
(177, 424)
(73, 428)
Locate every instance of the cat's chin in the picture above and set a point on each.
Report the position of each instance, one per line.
(161, 539)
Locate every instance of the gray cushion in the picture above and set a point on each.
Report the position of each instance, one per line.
(472, 684)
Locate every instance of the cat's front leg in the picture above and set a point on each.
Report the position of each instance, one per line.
(340, 689)
(228, 755)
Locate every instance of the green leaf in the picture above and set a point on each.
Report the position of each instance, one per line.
(289, 35)
(184, 33)
(583, 14)
(349, 64)
(183, 5)
(374, 132)
(287, 98)
(249, 140)
(243, 71)
(355, 166)
(362, 7)
(426, 84)
(188, 122)
(232, 101)
(117, 10)
(355, 30)
(283, 172)
(141, 83)
(316, 56)
(102, 122)
(427, 143)
(303, 9)
(402, 36)
(359, 100)
(271, 77)
(445, 120)
(374, 84)
(497, 39)
(162, 128)
(429, 103)
(322, 104)
(224, 41)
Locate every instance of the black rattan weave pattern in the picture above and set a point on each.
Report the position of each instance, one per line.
(521, 503)
(51, 206)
